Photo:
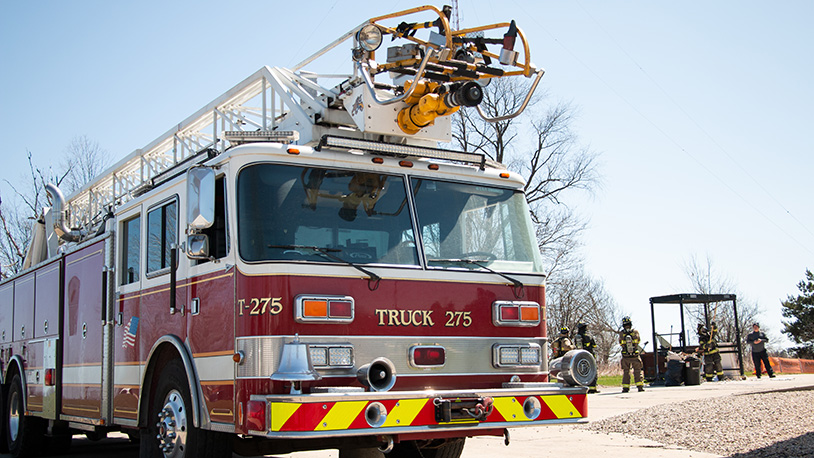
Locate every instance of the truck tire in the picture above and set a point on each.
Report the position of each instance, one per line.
(3, 421)
(170, 432)
(449, 448)
(24, 434)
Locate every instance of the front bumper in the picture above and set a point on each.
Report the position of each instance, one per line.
(409, 412)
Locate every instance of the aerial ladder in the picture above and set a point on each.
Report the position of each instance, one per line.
(430, 78)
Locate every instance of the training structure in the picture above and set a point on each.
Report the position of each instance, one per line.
(656, 363)
(297, 266)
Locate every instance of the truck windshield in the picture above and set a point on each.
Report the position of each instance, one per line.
(360, 217)
(475, 222)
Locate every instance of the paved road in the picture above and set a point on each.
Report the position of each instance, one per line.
(551, 441)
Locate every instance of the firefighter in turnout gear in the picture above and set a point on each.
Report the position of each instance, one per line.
(563, 344)
(583, 341)
(629, 340)
(708, 346)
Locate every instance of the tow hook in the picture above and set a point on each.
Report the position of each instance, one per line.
(388, 447)
(481, 410)
(506, 438)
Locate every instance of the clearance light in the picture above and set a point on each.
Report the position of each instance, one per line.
(516, 355)
(405, 163)
(50, 380)
(427, 356)
(515, 313)
(256, 415)
(323, 309)
(331, 356)
(238, 137)
(390, 149)
(293, 151)
(505, 175)
(377, 160)
(433, 167)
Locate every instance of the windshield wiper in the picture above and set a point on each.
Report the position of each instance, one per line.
(326, 253)
(517, 285)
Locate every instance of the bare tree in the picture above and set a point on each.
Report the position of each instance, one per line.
(573, 297)
(84, 160)
(705, 278)
(18, 213)
(554, 163)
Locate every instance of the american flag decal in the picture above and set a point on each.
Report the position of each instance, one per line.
(130, 333)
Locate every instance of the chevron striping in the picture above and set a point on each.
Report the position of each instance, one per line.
(510, 408)
(404, 412)
(341, 415)
(280, 413)
(561, 406)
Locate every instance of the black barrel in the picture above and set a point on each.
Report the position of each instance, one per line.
(692, 371)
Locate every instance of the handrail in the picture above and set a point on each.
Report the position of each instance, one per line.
(363, 69)
(525, 103)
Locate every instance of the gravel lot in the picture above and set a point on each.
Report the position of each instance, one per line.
(771, 424)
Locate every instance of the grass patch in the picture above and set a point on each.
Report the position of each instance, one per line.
(610, 380)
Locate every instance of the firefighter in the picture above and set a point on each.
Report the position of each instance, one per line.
(584, 341)
(629, 340)
(708, 346)
(563, 344)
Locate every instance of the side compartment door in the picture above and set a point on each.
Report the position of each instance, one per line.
(82, 349)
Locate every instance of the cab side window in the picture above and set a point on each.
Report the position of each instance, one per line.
(162, 233)
(131, 237)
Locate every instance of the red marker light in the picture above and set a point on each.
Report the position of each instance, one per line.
(429, 356)
(509, 313)
(341, 309)
(256, 415)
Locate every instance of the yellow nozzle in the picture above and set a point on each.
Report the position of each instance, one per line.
(414, 118)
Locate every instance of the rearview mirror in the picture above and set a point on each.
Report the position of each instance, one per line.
(200, 198)
(198, 246)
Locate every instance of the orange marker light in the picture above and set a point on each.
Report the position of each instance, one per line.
(530, 313)
(293, 151)
(378, 160)
(505, 175)
(433, 167)
(315, 309)
(405, 163)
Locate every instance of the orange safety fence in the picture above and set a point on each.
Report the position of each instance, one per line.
(791, 365)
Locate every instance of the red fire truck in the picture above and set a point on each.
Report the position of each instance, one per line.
(297, 267)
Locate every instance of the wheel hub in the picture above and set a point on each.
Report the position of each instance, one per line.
(172, 426)
(14, 416)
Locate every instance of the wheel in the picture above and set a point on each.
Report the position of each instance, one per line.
(449, 448)
(24, 434)
(3, 422)
(174, 436)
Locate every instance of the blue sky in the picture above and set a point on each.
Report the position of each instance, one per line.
(702, 111)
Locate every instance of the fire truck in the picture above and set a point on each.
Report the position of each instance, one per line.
(297, 266)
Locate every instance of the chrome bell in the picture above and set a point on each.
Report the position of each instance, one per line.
(295, 365)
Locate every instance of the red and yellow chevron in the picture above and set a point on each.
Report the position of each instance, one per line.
(350, 415)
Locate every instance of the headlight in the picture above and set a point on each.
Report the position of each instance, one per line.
(369, 37)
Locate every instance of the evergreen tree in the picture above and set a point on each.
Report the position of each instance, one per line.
(800, 310)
